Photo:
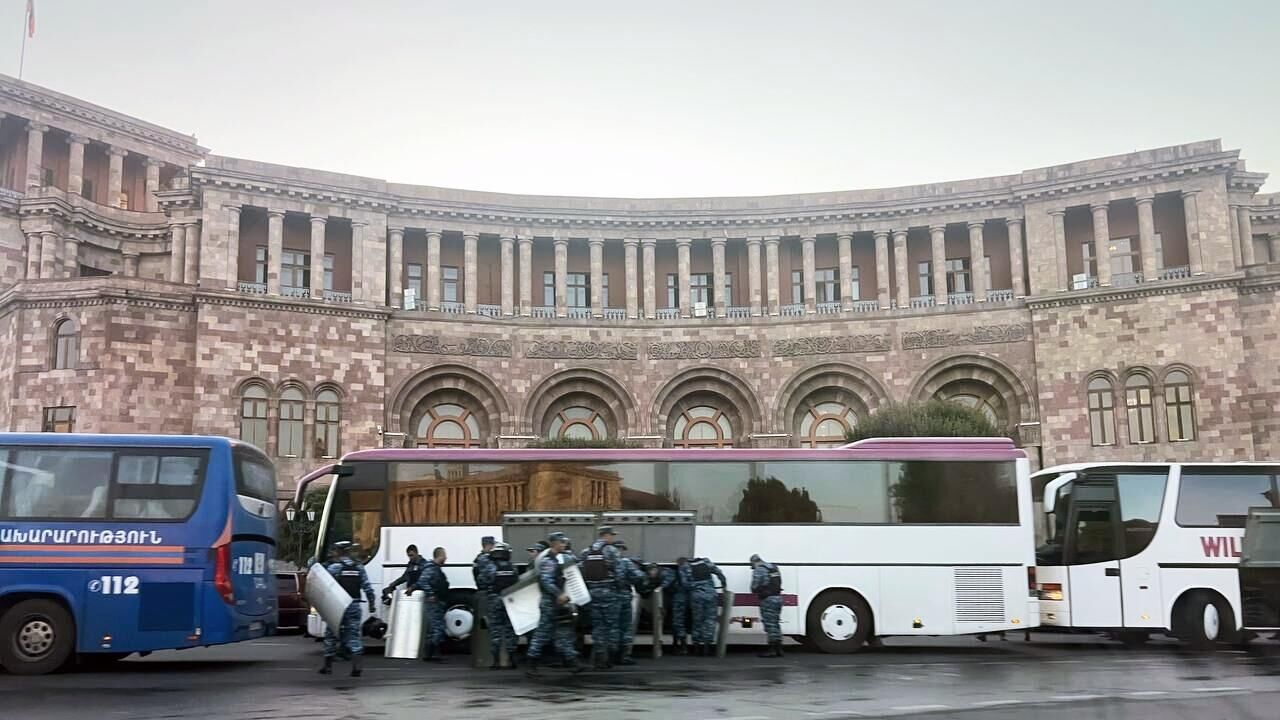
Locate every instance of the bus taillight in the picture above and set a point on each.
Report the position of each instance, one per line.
(222, 573)
(1032, 590)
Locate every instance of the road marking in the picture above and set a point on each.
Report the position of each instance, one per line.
(1147, 693)
(996, 703)
(1217, 689)
(919, 708)
(1069, 698)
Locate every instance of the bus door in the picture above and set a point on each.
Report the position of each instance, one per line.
(1260, 569)
(1092, 555)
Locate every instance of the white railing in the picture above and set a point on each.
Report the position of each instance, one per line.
(1128, 279)
(668, 313)
(489, 310)
(922, 301)
(1000, 296)
(252, 288)
(579, 312)
(615, 313)
(1084, 284)
(542, 311)
(866, 306)
(453, 308)
(737, 311)
(793, 310)
(295, 292)
(335, 296)
(961, 298)
(828, 308)
(1178, 272)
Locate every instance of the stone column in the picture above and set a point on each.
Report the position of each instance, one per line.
(562, 277)
(470, 291)
(1015, 255)
(153, 184)
(1192, 213)
(131, 264)
(596, 246)
(75, 164)
(1147, 238)
(753, 274)
(115, 174)
(1060, 247)
(717, 277)
(233, 247)
(33, 256)
(629, 247)
(49, 256)
(178, 254)
(844, 247)
(977, 262)
(810, 273)
(357, 261)
(35, 154)
(1236, 257)
(882, 268)
(682, 267)
(771, 273)
(70, 256)
(317, 256)
(275, 248)
(1274, 241)
(526, 275)
(650, 247)
(506, 245)
(395, 269)
(938, 262)
(900, 267)
(1102, 242)
(1244, 222)
(433, 267)
(191, 258)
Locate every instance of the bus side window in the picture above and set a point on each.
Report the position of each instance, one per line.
(1095, 533)
(1141, 497)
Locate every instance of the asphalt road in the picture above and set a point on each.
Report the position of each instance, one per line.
(1049, 678)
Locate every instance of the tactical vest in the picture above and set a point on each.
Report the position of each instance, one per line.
(773, 585)
(349, 579)
(475, 567)
(700, 569)
(413, 572)
(594, 566)
(505, 577)
(440, 583)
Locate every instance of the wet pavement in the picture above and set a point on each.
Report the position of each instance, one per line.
(1048, 678)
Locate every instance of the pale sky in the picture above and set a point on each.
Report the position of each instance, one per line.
(659, 98)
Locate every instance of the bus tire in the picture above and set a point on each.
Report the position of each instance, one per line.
(1204, 619)
(37, 636)
(838, 622)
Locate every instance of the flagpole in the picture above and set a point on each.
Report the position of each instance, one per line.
(22, 59)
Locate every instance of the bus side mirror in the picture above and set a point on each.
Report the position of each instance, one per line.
(1051, 490)
(344, 471)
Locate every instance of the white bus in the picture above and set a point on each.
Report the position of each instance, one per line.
(900, 537)
(1137, 548)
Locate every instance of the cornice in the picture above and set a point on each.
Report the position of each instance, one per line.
(1105, 295)
(229, 298)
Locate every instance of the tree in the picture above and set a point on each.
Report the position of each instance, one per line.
(561, 443)
(934, 418)
(768, 500)
(298, 538)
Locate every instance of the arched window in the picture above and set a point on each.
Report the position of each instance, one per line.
(66, 344)
(1102, 416)
(977, 402)
(703, 426)
(1179, 406)
(578, 423)
(448, 425)
(1137, 398)
(289, 433)
(328, 416)
(826, 424)
(253, 415)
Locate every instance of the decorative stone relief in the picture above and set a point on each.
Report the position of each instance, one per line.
(704, 349)
(832, 345)
(582, 350)
(980, 335)
(435, 345)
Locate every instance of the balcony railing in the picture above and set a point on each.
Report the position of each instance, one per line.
(1178, 272)
(295, 292)
(453, 308)
(1084, 283)
(828, 308)
(335, 296)
(737, 311)
(922, 301)
(615, 313)
(668, 313)
(579, 312)
(542, 311)
(492, 311)
(960, 298)
(1000, 296)
(796, 310)
(252, 288)
(1128, 279)
(865, 306)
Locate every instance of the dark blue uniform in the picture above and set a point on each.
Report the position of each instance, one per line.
(433, 582)
(628, 576)
(604, 621)
(551, 582)
(351, 575)
(410, 575)
(702, 596)
(766, 583)
(494, 577)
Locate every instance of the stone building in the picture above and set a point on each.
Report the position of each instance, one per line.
(1122, 307)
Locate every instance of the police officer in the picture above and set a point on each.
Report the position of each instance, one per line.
(482, 560)
(496, 576)
(697, 574)
(435, 584)
(552, 608)
(766, 583)
(599, 570)
(411, 572)
(628, 578)
(533, 551)
(679, 608)
(351, 576)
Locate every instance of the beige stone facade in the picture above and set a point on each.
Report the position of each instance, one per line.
(1123, 307)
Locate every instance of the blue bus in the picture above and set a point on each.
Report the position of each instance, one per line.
(116, 544)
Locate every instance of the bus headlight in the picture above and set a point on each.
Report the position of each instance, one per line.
(1051, 591)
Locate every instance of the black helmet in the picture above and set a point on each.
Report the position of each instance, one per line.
(341, 547)
(500, 551)
(374, 628)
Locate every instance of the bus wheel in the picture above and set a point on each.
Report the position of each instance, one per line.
(1204, 620)
(36, 637)
(838, 622)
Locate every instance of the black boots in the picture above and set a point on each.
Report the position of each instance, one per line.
(774, 651)
(600, 659)
(624, 657)
(531, 669)
(327, 668)
(357, 666)
(431, 653)
(678, 646)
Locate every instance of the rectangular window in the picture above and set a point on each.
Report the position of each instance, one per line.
(1141, 497)
(449, 284)
(328, 271)
(260, 265)
(289, 429)
(1102, 418)
(1179, 412)
(797, 287)
(413, 280)
(295, 269)
(728, 288)
(1088, 259)
(255, 476)
(604, 290)
(46, 176)
(155, 486)
(86, 190)
(253, 418)
(958, 275)
(1141, 414)
(57, 483)
(924, 276)
(1222, 498)
(578, 288)
(828, 285)
(855, 287)
(1124, 256)
(700, 288)
(60, 419)
(548, 288)
(673, 290)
